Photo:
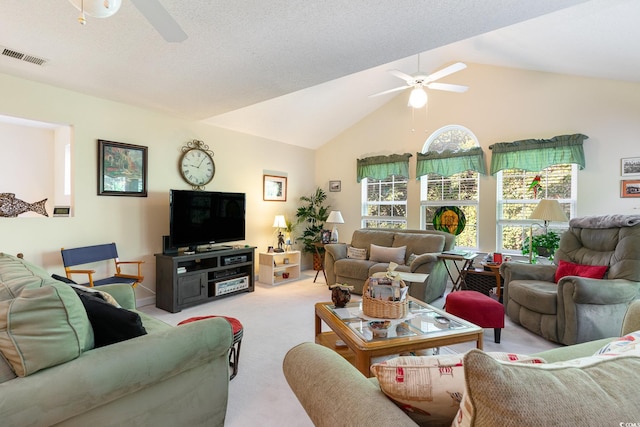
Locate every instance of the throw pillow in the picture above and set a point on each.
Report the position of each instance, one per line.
(385, 254)
(110, 324)
(102, 295)
(566, 268)
(429, 388)
(594, 394)
(411, 258)
(627, 344)
(43, 327)
(356, 253)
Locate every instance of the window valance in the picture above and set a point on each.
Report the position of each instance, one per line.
(536, 154)
(381, 167)
(450, 162)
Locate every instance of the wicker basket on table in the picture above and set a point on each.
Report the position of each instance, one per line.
(382, 309)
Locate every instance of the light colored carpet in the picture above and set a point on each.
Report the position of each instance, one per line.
(276, 318)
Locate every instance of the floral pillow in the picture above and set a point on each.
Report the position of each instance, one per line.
(429, 388)
(625, 345)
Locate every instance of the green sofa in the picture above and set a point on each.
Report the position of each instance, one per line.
(423, 244)
(170, 376)
(334, 393)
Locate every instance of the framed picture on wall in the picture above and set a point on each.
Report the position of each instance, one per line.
(335, 186)
(630, 166)
(630, 188)
(122, 169)
(274, 188)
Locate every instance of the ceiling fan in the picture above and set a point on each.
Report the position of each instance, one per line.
(152, 10)
(418, 97)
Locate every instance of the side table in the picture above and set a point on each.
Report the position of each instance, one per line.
(485, 279)
(465, 258)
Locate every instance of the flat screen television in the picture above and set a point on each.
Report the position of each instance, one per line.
(205, 217)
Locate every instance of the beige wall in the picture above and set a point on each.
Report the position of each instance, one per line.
(501, 105)
(137, 224)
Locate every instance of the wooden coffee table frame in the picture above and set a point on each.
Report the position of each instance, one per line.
(364, 351)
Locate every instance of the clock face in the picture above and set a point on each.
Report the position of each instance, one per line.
(197, 167)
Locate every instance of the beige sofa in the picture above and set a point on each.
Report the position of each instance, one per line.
(171, 376)
(334, 393)
(423, 244)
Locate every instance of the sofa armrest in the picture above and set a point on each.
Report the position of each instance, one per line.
(332, 253)
(117, 371)
(122, 293)
(334, 393)
(631, 322)
(424, 263)
(582, 290)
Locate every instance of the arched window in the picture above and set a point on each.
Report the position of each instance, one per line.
(459, 189)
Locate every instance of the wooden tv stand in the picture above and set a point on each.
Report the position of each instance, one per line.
(186, 280)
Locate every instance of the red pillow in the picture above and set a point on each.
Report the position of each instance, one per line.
(570, 269)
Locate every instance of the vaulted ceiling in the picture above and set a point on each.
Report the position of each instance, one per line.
(300, 72)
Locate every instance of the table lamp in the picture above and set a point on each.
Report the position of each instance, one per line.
(335, 217)
(280, 223)
(547, 210)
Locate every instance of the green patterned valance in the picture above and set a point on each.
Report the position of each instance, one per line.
(450, 162)
(382, 167)
(533, 155)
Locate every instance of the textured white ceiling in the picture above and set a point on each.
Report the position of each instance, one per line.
(301, 71)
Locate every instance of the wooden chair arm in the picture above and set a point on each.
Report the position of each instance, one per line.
(87, 272)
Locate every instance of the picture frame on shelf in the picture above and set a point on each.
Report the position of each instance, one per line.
(630, 188)
(274, 188)
(335, 186)
(122, 169)
(630, 166)
(326, 236)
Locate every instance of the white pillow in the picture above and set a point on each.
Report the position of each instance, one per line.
(356, 253)
(385, 254)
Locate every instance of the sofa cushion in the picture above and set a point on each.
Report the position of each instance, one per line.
(356, 253)
(593, 394)
(429, 388)
(419, 243)
(43, 327)
(17, 274)
(384, 254)
(566, 268)
(536, 295)
(355, 268)
(364, 238)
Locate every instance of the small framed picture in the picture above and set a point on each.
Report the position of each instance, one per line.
(335, 186)
(630, 166)
(326, 236)
(122, 169)
(274, 188)
(630, 188)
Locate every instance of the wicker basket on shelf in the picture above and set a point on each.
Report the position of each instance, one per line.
(382, 309)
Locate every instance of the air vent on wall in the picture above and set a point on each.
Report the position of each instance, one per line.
(22, 56)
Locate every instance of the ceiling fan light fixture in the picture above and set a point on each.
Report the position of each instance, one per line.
(418, 98)
(97, 8)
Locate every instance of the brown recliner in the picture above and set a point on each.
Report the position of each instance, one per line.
(578, 309)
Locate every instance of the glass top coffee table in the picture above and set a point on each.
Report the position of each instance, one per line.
(424, 327)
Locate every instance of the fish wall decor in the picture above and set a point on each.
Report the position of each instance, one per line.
(10, 207)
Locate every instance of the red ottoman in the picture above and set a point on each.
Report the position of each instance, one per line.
(234, 351)
(477, 308)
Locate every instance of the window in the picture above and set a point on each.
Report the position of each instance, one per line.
(384, 202)
(516, 201)
(460, 189)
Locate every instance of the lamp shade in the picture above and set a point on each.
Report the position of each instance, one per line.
(549, 210)
(335, 217)
(279, 222)
(97, 8)
(418, 98)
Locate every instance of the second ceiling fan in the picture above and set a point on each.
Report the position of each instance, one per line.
(419, 82)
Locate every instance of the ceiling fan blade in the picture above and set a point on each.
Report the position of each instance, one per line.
(447, 86)
(389, 91)
(403, 76)
(446, 71)
(160, 19)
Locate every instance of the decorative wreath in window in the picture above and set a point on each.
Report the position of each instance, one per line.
(450, 219)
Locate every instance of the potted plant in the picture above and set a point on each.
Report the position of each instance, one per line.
(313, 214)
(544, 244)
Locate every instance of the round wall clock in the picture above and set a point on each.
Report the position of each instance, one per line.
(196, 164)
(450, 219)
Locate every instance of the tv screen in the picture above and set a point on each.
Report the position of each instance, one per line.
(206, 217)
